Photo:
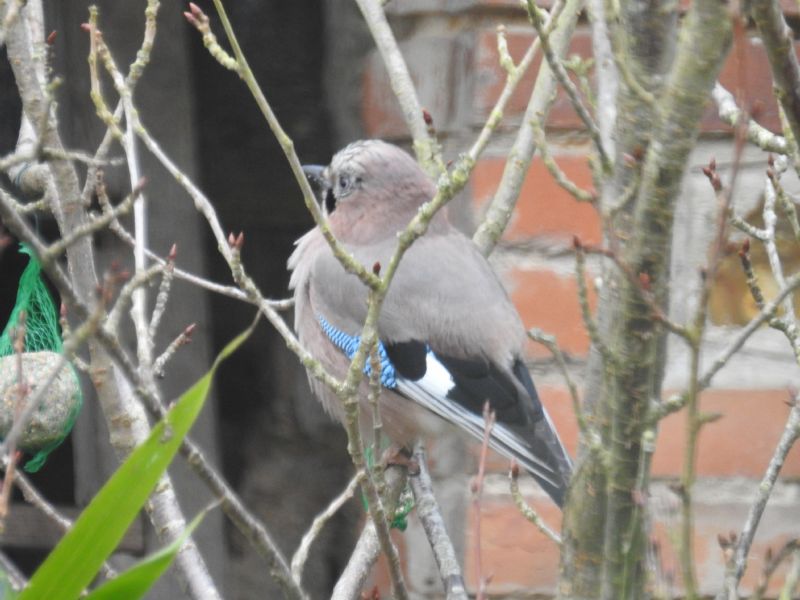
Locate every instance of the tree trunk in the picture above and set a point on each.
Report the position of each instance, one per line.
(603, 531)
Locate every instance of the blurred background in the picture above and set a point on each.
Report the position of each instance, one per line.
(316, 64)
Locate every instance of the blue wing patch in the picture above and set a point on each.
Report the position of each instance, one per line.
(349, 345)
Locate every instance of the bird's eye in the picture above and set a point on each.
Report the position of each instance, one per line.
(344, 182)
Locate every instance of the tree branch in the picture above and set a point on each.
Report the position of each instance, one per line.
(430, 516)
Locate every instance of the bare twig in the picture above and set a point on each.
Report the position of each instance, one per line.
(91, 226)
(201, 22)
(426, 147)
(477, 490)
(163, 293)
(550, 163)
(549, 342)
(367, 549)
(34, 498)
(217, 288)
(526, 510)
(743, 541)
(519, 159)
(758, 135)
(183, 338)
(747, 228)
(126, 293)
(771, 563)
(301, 554)
(514, 75)
(586, 310)
(563, 78)
(15, 576)
(344, 257)
(779, 43)
(431, 518)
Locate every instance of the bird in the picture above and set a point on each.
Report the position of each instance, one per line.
(450, 338)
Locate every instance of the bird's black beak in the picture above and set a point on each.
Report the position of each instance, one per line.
(314, 174)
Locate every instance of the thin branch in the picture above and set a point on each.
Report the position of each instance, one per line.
(678, 402)
(202, 23)
(514, 74)
(477, 491)
(367, 550)
(15, 576)
(430, 516)
(778, 41)
(586, 311)
(163, 293)
(771, 564)
(34, 498)
(426, 147)
(730, 113)
(563, 78)
(90, 227)
(790, 434)
(549, 342)
(126, 294)
(526, 510)
(301, 554)
(224, 290)
(560, 177)
(520, 156)
(344, 257)
(247, 524)
(747, 228)
(183, 338)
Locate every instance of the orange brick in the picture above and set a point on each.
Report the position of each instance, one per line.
(513, 551)
(549, 301)
(380, 111)
(544, 207)
(757, 416)
(746, 73)
(521, 560)
(749, 79)
(739, 444)
(488, 70)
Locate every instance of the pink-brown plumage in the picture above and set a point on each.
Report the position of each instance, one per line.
(444, 297)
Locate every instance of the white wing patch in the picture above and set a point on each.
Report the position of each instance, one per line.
(431, 392)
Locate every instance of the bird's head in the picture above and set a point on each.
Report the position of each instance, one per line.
(370, 178)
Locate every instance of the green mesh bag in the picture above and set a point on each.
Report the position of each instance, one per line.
(61, 403)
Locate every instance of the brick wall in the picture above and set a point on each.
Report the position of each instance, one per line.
(452, 53)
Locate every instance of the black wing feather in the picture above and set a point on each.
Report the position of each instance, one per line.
(511, 394)
(408, 358)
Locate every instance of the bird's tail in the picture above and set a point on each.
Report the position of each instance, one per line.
(535, 445)
(542, 455)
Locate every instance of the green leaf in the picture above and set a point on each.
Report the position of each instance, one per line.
(136, 581)
(74, 562)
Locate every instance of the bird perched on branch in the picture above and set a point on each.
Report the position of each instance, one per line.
(450, 338)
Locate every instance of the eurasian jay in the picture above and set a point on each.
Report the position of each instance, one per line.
(450, 338)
